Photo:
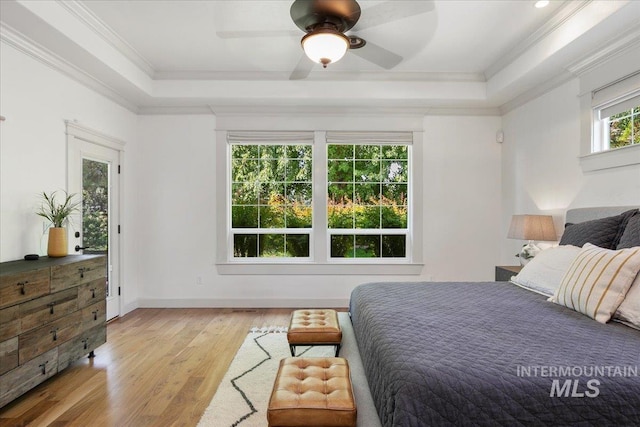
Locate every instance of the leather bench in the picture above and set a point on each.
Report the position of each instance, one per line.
(312, 392)
(314, 327)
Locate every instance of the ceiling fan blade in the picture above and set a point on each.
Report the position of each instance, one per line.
(390, 11)
(258, 34)
(378, 55)
(303, 68)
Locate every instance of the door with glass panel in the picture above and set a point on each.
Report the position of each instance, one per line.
(94, 178)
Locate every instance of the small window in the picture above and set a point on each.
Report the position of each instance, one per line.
(271, 200)
(616, 114)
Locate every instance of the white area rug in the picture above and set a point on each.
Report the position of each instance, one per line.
(243, 395)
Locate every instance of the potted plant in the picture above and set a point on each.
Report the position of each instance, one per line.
(58, 215)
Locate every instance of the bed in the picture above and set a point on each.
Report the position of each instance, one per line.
(492, 353)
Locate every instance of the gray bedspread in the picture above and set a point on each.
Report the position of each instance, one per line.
(485, 354)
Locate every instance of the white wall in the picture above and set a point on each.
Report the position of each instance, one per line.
(36, 100)
(541, 168)
(177, 216)
(461, 197)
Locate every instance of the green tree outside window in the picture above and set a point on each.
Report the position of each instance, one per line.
(624, 128)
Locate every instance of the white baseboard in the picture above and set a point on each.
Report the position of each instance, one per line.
(129, 308)
(244, 303)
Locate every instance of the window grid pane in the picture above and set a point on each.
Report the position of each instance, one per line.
(271, 188)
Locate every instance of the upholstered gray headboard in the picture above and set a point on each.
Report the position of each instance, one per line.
(577, 215)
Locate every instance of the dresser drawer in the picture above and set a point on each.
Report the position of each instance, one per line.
(9, 322)
(25, 377)
(47, 309)
(77, 273)
(94, 315)
(8, 355)
(90, 293)
(49, 336)
(20, 287)
(86, 342)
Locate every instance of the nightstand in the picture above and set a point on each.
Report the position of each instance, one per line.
(504, 272)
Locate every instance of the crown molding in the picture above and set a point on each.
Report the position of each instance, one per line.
(462, 111)
(38, 52)
(534, 93)
(175, 110)
(618, 45)
(88, 18)
(564, 13)
(35, 51)
(335, 76)
(292, 111)
(250, 111)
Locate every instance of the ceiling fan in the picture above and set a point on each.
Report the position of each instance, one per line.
(330, 20)
(325, 23)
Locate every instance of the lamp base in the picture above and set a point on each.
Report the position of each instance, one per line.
(527, 252)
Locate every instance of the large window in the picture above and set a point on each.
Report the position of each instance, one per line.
(313, 199)
(271, 200)
(367, 205)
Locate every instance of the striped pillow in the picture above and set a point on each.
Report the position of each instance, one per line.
(598, 280)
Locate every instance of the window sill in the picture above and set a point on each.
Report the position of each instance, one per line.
(362, 269)
(619, 157)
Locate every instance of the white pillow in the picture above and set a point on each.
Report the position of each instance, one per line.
(629, 310)
(544, 272)
(598, 280)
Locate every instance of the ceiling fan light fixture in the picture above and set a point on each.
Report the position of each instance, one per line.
(325, 45)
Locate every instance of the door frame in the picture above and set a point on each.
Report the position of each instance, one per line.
(76, 135)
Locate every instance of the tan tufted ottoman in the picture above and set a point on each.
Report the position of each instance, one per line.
(313, 391)
(314, 327)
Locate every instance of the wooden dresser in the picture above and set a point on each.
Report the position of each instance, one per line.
(52, 312)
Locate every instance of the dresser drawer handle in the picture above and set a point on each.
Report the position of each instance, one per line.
(55, 334)
(43, 367)
(86, 343)
(22, 290)
(95, 315)
(81, 271)
(51, 305)
(93, 292)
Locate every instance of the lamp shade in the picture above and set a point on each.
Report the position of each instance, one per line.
(325, 46)
(532, 227)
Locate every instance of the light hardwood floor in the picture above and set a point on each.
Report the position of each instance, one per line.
(159, 367)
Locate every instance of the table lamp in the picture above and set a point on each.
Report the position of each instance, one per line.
(531, 228)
